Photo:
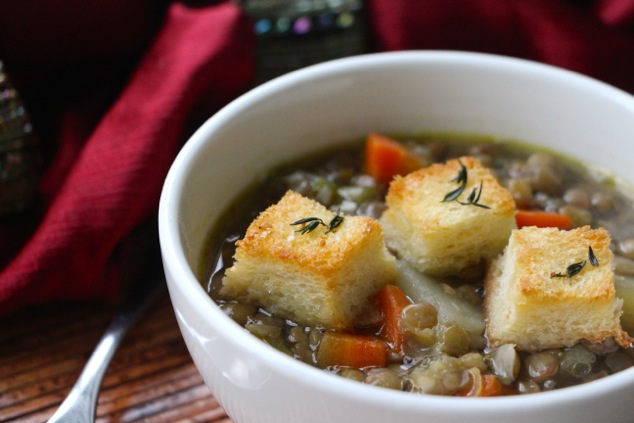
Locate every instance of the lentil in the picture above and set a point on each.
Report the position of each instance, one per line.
(446, 351)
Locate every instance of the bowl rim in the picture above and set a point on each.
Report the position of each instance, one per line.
(176, 261)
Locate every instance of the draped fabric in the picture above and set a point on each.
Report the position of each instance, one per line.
(115, 87)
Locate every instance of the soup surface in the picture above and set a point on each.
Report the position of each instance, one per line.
(440, 357)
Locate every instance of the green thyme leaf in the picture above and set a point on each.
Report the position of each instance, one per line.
(575, 268)
(335, 222)
(310, 224)
(592, 257)
(571, 270)
(452, 195)
(474, 197)
(479, 193)
(461, 178)
(484, 206)
(307, 220)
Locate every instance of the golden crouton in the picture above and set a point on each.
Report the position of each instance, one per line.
(552, 288)
(319, 277)
(447, 217)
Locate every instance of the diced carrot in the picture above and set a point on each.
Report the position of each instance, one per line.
(491, 386)
(386, 158)
(483, 386)
(357, 351)
(391, 301)
(542, 219)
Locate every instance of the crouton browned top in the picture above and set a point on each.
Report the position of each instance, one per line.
(310, 264)
(426, 188)
(271, 236)
(447, 217)
(543, 256)
(552, 288)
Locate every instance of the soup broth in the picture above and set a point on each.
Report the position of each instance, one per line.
(444, 359)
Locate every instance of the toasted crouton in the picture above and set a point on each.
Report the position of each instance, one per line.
(534, 299)
(444, 236)
(317, 278)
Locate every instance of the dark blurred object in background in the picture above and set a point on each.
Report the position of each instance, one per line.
(292, 34)
(20, 158)
(73, 54)
(74, 31)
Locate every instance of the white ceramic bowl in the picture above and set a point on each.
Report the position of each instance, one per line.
(343, 100)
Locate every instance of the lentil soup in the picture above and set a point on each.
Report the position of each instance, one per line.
(440, 357)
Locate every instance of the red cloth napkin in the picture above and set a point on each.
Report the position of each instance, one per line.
(113, 142)
(592, 37)
(106, 178)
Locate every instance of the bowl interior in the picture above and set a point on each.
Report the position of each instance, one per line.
(328, 104)
(405, 92)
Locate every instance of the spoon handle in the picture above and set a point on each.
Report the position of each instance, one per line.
(81, 403)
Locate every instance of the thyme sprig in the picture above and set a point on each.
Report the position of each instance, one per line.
(461, 180)
(575, 268)
(474, 197)
(592, 257)
(452, 195)
(571, 270)
(312, 223)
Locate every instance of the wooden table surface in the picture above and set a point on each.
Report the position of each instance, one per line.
(151, 378)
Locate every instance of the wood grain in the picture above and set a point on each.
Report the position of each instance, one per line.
(151, 377)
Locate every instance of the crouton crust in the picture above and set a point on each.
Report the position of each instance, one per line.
(318, 278)
(532, 302)
(444, 237)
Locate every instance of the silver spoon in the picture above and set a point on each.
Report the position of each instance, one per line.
(81, 403)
